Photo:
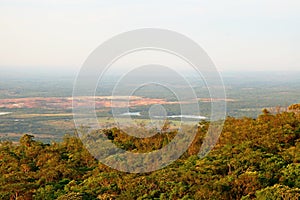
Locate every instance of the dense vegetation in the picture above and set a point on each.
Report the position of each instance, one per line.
(254, 159)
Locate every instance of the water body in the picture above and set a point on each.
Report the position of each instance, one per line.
(131, 114)
(4, 113)
(187, 116)
(183, 116)
(170, 116)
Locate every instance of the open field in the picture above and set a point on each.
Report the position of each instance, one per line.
(43, 106)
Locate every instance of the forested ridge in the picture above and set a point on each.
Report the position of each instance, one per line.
(253, 159)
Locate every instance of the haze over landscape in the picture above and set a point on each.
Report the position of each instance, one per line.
(247, 35)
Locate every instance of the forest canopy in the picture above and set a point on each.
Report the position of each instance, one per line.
(253, 159)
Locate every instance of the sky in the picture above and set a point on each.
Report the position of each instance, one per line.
(237, 34)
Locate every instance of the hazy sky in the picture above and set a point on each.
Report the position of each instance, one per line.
(236, 34)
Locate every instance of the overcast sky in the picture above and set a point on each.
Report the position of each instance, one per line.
(236, 34)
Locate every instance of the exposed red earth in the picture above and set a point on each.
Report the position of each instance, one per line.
(100, 102)
(66, 102)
